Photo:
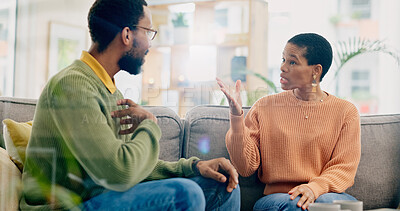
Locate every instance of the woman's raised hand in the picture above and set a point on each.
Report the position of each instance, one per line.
(235, 101)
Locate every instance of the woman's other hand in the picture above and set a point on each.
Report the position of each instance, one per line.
(235, 101)
(307, 196)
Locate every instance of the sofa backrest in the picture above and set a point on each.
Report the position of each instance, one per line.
(377, 181)
(23, 110)
(205, 130)
(202, 134)
(172, 132)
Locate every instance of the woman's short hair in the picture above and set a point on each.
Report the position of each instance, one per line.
(107, 18)
(317, 50)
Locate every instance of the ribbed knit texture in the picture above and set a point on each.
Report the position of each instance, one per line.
(75, 151)
(289, 149)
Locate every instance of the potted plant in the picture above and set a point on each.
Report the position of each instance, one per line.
(181, 28)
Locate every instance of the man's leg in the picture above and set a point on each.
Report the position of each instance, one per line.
(167, 194)
(216, 196)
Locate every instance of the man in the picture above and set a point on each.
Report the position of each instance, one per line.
(92, 150)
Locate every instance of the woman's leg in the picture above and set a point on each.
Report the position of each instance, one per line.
(216, 196)
(282, 201)
(167, 194)
(277, 202)
(330, 197)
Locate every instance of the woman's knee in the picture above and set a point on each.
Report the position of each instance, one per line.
(276, 201)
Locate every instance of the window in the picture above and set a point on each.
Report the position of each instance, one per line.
(7, 40)
(361, 9)
(360, 87)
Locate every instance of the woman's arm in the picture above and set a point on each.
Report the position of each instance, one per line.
(242, 139)
(338, 174)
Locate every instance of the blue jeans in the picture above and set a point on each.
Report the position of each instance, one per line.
(282, 201)
(197, 193)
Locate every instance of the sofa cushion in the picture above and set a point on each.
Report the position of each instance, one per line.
(205, 129)
(16, 137)
(18, 109)
(10, 182)
(172, 132)
(377, 182)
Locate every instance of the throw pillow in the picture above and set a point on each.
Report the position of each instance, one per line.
(10, 183)
(16, 137)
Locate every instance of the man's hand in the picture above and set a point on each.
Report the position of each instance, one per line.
(211, 169)
(135, 115)
(307, 195)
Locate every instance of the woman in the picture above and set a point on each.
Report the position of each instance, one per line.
(304, 142)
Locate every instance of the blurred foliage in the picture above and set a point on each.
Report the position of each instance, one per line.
(180, 20)
(347, 50)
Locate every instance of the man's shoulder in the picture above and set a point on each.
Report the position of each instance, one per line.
(76, 75)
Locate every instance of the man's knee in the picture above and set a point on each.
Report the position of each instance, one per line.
(188, 195)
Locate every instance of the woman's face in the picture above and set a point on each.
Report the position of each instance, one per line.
(296, 73)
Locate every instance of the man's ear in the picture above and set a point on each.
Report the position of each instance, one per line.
(126, 36)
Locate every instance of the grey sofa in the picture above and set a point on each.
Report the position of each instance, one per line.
(202, 132)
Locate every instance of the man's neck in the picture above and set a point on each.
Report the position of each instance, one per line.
(107, 59)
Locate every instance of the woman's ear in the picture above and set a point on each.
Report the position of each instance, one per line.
(317, 70)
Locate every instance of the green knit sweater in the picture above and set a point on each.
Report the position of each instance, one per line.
(75, 151)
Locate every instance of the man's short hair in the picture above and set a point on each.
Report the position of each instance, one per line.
(107, 18)
(317, 50)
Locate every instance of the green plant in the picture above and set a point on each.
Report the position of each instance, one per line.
(347, 50)
(180, 20)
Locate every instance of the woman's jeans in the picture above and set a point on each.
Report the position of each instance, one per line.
(197, 193)
(282, 201)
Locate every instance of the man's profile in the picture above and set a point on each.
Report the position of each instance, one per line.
(90, 149)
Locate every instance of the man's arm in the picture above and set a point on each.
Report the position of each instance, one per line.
(214, 169)
(78, 114)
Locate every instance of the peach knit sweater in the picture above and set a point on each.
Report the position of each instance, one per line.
(288, 149)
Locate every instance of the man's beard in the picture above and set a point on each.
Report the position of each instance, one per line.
(130, 63)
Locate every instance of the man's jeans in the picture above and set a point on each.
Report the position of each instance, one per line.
(197, 193)
(282, 201)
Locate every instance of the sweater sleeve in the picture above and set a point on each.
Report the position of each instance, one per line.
(112, 163)
(338, 174)
(165, 169)
(242, 141)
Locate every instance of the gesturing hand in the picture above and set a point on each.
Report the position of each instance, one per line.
(235, 101)
(307, 195)
(212, 168)
(135, 113)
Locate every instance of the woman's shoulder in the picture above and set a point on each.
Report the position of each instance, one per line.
(343, 106)
(341, 102)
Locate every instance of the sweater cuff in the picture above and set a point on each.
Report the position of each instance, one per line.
(316, 189)
(237, 122)
(188, 167)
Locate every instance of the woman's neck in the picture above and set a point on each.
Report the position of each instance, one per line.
(319, 95)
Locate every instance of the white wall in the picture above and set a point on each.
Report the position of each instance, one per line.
(389, 71)
(32, 39)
